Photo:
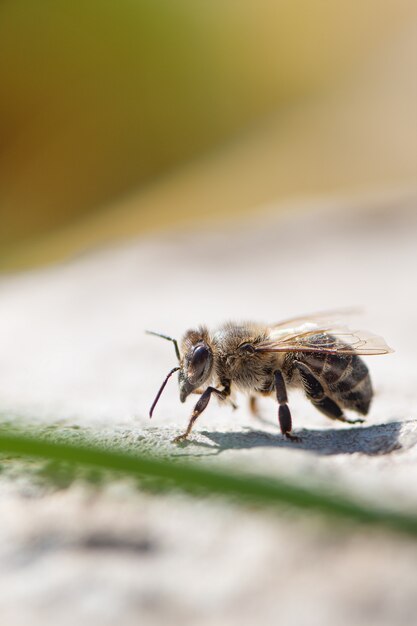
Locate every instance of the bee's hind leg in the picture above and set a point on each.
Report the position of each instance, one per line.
(284, 414)
(316, 394)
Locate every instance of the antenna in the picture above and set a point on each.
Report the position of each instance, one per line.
(174, 341)
(158, 395)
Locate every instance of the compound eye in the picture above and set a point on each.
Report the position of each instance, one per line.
(247, 347)
(199, 360)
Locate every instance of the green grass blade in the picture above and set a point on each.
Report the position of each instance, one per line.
(203, 481)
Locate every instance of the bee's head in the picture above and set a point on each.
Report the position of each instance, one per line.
(196, 362)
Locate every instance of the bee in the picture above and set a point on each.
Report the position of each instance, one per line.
(313, 353)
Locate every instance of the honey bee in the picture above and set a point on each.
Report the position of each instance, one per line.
(314, 353)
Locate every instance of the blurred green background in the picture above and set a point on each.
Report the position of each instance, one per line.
(118, 117)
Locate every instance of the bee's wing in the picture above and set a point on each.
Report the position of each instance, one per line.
(322, 318)
(311, 337)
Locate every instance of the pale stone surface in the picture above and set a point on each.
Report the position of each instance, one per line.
(74, 354)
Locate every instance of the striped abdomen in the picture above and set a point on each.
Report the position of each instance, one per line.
(344, 377)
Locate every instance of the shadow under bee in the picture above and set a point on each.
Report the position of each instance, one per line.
(367, 440)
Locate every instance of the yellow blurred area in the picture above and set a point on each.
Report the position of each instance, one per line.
(117, 117)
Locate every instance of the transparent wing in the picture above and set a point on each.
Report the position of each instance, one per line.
(310, 337)
(322, 318)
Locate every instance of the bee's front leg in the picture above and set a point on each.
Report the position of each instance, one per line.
(200, 406)
(284, 413)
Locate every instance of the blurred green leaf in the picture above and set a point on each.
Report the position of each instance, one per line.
(198, 480)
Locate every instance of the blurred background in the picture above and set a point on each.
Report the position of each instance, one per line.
(123, 117)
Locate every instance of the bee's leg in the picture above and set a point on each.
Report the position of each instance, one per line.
(224, 394)
(315, 392)
(200, 406)
(253, 406)
(198, 392)
(284, 413)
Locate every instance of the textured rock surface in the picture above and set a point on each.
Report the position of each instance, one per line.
(74, 356)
